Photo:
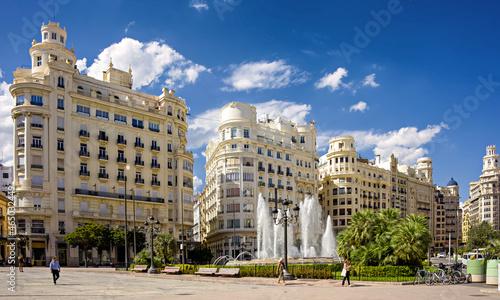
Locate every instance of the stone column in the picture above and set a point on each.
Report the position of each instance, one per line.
(27, 150)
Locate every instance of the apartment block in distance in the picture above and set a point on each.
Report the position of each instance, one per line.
(252, 157)
(482, 204)
(447, 216)
(350, 184)
(82, 145)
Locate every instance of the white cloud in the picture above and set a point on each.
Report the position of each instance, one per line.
(129, 25)
(333, 80)
(150, 63)
(370, 80)
(1, 73)
(6, 124)
(199, 5)
(406, 143)
(81, 64)
(263, 75)
(197, 182)
(203, 127)
(195, 155)
(360, 106)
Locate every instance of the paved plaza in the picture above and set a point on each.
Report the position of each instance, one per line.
(102, 283)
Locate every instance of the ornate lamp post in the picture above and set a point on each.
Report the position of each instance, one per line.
(285, 219)
(150, 232)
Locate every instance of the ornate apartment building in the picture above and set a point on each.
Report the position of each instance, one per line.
(81, 145)
(447, 216)
(482, 204)
(253, 157)
(350, 184)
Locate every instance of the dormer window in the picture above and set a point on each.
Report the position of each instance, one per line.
(45, 35)
(54, 36)
(38, 59)
(61, 38)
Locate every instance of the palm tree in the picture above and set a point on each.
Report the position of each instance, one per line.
(164, 246)
(363, 226)
(411, 240)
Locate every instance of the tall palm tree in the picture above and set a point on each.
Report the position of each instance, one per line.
(411, 240)
(363, 224)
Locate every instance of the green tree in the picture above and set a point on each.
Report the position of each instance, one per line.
(144, 258)
(86, 237)
(118, 238)
(480, 235)
(411, 240)
(384, 238)
(165, 246)
(494, 248)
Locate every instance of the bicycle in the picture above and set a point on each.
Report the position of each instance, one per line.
(438, 276)
(420, 276)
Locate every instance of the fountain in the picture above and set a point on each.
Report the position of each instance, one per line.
(317, 241)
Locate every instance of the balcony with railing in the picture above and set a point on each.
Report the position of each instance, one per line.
(117, 196)
(155, 148)
(103, 156)
(122, 160)
(139, 145)
(121, 142)
(261, 169)
(103, 176)
(139, 180)
(261, 183)
(102, 138)
(155, 165)
(155, 183)
(84, 173)
(139, 162)
(84, 134)
(270, 170)
(84, 153)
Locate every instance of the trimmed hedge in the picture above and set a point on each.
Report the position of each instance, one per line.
(319, 271)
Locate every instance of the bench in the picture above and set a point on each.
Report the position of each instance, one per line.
(139, 268)
(172, 270)
(206, 271)
(228, 272)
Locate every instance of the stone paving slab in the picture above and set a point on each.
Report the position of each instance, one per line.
(106, 283)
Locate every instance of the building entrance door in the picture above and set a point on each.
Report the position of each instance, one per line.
(62, 256)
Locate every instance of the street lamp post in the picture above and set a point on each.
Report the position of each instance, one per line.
(285, 219)
(150, 232)
(133, 204)
(456, 246)
(126, 241)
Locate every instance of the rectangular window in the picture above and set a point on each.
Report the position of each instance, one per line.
(60, 103)
(154, 127)
(36, 100)
(287, 157)
(259, 151)
(60, 124)
(37, 202)
(83, 110)
(60, 184)
(102, 208)
(60, 205)
(269, 153)
(61, 38)
(233, 132)
(278, 155)
(38, 60)
(84, 206)
(120, 119)
(102, 115)
(302, 139)
(19, 100)
(37, 142)
(169, 129)
(137, 123)
(37, 180)
(54, 36)
(246, 133)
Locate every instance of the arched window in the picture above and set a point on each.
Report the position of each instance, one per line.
(98, 95)
(178, 114)
(60, 82)
(117, 98)
(182, 115)
(169, 110)
(80, 87)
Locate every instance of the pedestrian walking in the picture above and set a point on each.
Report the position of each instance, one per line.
(346, 272)
(20, 260)
(281, 271)
(55, 268)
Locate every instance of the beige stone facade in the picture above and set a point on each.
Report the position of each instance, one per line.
(252, 157)
(447, 216)
(81, 144)
(351, 184)
(483, 202)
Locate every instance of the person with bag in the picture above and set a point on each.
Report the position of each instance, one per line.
(281, 271)
(346, 272)
(21, 262)
(55, 268)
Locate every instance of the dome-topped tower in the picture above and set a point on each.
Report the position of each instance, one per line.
(52, 48)
(452, 182)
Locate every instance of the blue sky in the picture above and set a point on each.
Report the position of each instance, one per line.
(414, 78)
